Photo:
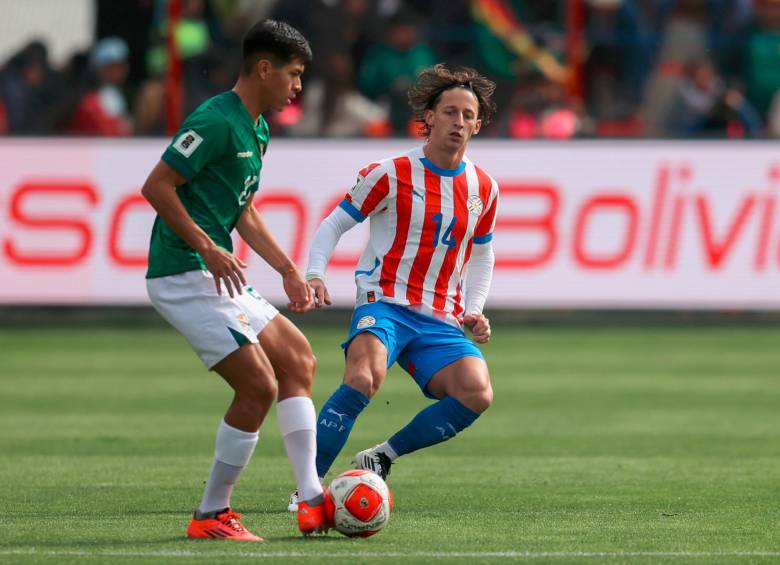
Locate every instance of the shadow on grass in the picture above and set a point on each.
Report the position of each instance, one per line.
(105, 545)
(171, 543)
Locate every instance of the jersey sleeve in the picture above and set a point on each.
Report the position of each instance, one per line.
(201, 140)
(368, 194)
(487, 222)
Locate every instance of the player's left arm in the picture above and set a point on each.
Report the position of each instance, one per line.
(252, 229)
(479, 271)
(476, 288)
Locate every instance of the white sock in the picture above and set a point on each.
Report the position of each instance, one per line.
(216, 496)
(387, 450)
(233, 450)
(298, 422)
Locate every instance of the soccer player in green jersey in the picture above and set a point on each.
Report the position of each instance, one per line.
(202, 188)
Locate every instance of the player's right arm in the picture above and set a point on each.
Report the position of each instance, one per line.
(324, 243)
(364, 198)
(160, 190)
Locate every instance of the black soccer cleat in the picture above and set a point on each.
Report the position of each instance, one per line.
(373, 460)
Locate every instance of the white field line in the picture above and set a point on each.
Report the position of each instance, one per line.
(173, 553)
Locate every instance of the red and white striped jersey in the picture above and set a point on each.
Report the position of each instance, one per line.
(424, 222)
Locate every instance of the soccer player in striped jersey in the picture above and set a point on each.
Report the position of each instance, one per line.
(432, 213)
(202, 188)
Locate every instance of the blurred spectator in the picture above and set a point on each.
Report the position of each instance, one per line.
(515, 38)
(705, 107)
(349, 25)
(192, 37)
(77, 80)
(638, 75)
(731, 22)
(207, 68)
(132, 21)
(761, 65)
(332, 107)
(448, 26)
(29, 91)
(237, 16)
(391, 66)
(356, 26)
(619, 58)
(103, 109)
(540, 108)
(685, 38)
(773, 118)
(149, 107)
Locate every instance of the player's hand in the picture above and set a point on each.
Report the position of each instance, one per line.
(226, 268)
(479, 326)
(298, 291)
(321, 294)
(733, 98)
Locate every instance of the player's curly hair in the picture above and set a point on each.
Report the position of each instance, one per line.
(433, 81)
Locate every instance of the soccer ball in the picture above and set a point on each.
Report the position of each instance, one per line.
(361, 503)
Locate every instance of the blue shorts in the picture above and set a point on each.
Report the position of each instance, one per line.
(422, 345)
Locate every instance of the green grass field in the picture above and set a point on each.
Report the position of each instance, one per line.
(616, 445)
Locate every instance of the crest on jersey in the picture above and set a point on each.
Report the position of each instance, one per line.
(474, 204)
(366, 322)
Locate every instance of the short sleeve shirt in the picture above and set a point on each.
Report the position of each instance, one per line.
(219, 151)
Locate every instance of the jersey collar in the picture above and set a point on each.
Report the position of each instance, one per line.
(244, 112)
(443, 172)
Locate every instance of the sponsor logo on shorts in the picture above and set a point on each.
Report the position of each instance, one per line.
(474, 204)
(187, 143)
(244, 321)
(366, 322)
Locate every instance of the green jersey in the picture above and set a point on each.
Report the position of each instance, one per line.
(219, 150)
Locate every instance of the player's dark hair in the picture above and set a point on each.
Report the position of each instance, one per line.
(276, 41)
(433, 81)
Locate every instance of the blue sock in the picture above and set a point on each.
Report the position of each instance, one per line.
(334, 423)
(435, 424)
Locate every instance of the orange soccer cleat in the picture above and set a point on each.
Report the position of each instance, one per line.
(316, 519)
(221, 524)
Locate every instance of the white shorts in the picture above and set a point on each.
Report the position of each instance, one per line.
(214, 325)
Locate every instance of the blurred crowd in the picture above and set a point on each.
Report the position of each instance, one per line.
(644, 68)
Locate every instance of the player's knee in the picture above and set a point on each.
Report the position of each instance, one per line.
(361, 380)
(305, 367)
(476, 396)
(482, 399)
(260, 389)
(309, 366)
